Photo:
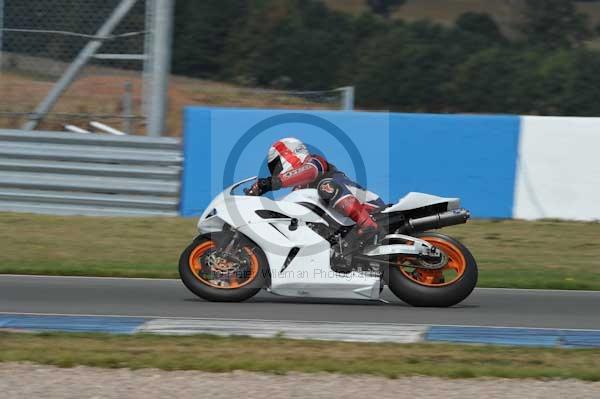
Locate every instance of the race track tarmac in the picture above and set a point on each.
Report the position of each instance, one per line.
(169, 298)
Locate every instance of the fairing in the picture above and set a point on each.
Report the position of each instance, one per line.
(420, 200)
(308, 273)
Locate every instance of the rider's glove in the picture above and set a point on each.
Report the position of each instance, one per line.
(260, 187)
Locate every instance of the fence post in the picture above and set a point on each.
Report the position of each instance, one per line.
(127, 108)
(160, 60)
(348, 98)
(1, 30)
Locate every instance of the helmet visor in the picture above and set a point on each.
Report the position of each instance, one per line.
(275, 167)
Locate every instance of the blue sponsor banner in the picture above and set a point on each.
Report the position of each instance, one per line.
(195, 177)
(236, 141)
(472, 157)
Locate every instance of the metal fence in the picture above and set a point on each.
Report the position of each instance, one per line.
(88, 174)
(73, 61)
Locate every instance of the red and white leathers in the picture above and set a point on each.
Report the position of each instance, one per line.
(309, 171)
(291, 165)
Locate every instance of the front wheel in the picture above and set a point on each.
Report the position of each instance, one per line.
(218, 267)
(435, 288)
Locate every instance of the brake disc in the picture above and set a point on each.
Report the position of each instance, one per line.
(221, 265)
(432, 263)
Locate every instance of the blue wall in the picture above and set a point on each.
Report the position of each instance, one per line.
(472, 157)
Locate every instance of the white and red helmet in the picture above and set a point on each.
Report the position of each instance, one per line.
(286, 154)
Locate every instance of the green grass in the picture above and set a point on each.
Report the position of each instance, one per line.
(280, 356)
(518, 254)
(86, 246)
(544, 254)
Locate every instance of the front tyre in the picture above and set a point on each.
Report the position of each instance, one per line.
(215, 270)
(435, 288)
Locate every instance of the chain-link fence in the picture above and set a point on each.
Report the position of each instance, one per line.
(74, 62)
(184, 91)
(41, 39)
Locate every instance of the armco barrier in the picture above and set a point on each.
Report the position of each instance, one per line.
(473, 157)
(222, 146)
(501, 166)
(88, 174)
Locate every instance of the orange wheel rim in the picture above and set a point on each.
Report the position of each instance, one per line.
(233, 279)
(450, 273)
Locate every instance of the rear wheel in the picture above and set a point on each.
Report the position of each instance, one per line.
(444, 287)
(215, 270)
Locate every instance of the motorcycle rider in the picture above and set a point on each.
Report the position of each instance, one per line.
(291, 165)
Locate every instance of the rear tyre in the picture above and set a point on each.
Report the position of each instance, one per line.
(218, 279)
(431, 288)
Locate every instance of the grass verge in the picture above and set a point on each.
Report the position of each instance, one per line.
(22, 92)
(222, 354)
(514, 254)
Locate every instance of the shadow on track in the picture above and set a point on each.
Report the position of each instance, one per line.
(273, 299)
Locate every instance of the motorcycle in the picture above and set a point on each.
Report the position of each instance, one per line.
(297, 246)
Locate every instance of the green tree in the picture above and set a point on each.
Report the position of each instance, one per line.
(201, 32)
(480, 24)
(497, 80)
(554, 73)
(553, 23)
(363, 28)
(295, 44)
(384, 7)
(572, 83)
(406, 69)
(395, 65)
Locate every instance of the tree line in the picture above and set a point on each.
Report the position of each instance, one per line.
(419, 66)
(549, 67)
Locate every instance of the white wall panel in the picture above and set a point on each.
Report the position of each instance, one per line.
(558, 172)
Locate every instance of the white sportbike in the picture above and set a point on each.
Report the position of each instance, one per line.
(297, 246)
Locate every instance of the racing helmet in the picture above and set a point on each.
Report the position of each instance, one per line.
(286, 154)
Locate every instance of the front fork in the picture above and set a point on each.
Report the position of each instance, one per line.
(232, 244)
